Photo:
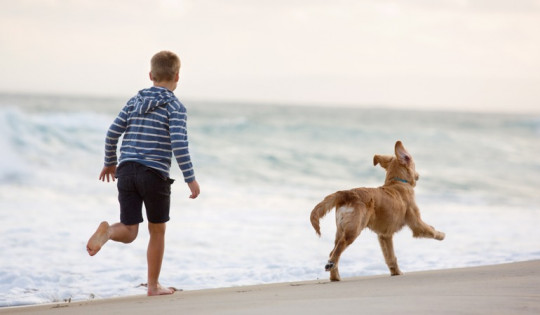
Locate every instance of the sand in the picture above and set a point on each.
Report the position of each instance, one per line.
(501, 289)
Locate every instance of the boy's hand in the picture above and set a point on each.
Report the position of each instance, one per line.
(106, 172)
(195, 189)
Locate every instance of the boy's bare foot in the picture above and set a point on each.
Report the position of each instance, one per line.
(100, 237)
(159, 290)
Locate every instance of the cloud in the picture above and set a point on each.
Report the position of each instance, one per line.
(279, 50)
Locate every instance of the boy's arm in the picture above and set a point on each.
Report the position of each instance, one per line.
(116, 130)
(195, 189)
(179, 143)
(106, 172)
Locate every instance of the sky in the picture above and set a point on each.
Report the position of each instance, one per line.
(422, 54)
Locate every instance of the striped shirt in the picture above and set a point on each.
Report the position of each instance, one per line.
(154, 127)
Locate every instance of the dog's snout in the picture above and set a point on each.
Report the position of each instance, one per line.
(417, 176)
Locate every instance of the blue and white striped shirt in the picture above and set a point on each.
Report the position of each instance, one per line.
(154, 126)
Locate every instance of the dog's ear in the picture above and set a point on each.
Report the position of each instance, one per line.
(384, 160)
(402, 155)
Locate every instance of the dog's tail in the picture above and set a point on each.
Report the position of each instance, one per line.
(322, 209)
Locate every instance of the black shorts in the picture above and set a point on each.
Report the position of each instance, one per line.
(138, 184)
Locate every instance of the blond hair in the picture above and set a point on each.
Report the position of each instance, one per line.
(164, 66)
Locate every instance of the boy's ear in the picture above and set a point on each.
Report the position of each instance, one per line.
(177, 77)
(150, 76)
(402, 155)
(384, 160)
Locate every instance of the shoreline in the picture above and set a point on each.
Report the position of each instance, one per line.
(511, 288)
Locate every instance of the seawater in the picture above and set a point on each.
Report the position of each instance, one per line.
(261, 168)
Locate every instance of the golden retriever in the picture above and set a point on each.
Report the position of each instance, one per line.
(384, 210)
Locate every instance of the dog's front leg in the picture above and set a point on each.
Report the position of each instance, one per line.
(419, 227)
(387, 246)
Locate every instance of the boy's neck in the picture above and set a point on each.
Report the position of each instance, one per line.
(170, 85)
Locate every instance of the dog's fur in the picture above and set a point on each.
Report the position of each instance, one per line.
(384, 210)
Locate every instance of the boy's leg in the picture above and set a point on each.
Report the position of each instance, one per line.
(130, 211)
(156, 248)
(118, 232)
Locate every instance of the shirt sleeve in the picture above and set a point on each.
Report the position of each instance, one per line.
(117, 128)
(179, 144)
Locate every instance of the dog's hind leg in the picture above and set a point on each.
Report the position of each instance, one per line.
(387, 246)
(350, 221)
(342, 242)
(333, 260)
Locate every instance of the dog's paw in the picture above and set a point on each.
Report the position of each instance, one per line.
(440, 236)
(329, 266)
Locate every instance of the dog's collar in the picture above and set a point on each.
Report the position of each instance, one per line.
(400, 180)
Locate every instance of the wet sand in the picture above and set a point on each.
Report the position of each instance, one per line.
(512, 288)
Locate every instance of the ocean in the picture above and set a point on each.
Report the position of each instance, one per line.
(262, 168)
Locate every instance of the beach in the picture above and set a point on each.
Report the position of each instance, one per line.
(511, 288)
(286, 102)
(262, 169)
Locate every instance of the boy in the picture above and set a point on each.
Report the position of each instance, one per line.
(154, 126)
